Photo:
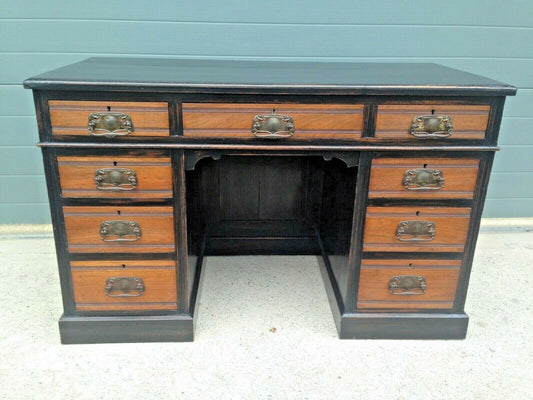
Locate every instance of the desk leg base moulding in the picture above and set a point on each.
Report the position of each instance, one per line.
(126, 329)
(379, 170)
(403, 326)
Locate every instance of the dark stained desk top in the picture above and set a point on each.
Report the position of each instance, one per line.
(280, 77)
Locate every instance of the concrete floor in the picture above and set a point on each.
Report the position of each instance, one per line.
(265, 331)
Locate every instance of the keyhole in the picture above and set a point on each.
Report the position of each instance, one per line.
(118, 212)
(410, 265)
(425, 165)
(108, 108)
(273, 111)
(417, 213)
(432, 111)
(114, 163)
(123, 265)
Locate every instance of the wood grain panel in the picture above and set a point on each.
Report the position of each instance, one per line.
(386, 176)
(469, 121)
(154, 176)
(451, 225)
(83, 229)
(159, 278)
(441, 277)
(71, 117)
(311, 121)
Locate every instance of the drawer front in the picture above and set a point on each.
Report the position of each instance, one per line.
(124, 285)
(119, 229)
(408, 284)
(423, 178)
(395, 121)
(310, 121)
(429, 229)
(83, 117)
(115, 177)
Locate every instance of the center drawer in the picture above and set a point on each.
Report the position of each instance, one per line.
(279, 121)
(415, 229)
(119, 229)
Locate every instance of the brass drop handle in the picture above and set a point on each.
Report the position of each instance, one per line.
(109, 124)
(407, 285)
(416, 231)
(423, 179)
(273, 126)
(124, 286)
(115, 179)
(120, 231)
(432, 126)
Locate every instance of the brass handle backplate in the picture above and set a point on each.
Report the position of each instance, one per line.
(432, 126)
(124, 286)
(415, 231)
(273, 126)
(423, 179)
(115, 179)
(120, 231)
(407, 284)
(109, 124)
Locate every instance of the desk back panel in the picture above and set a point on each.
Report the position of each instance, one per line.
(280, 199)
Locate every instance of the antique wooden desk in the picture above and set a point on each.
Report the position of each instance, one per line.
(152, 164)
